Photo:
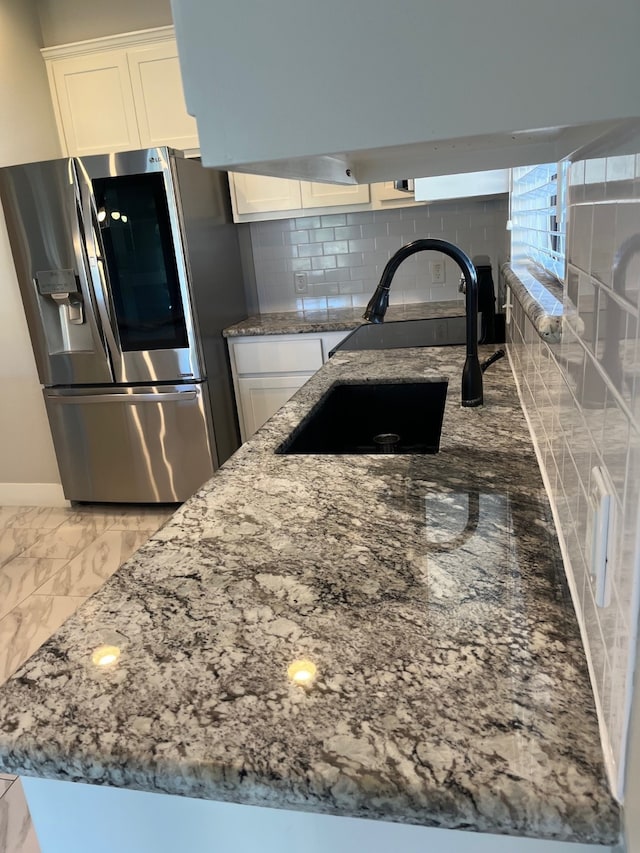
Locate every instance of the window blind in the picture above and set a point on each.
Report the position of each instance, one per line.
(538, 215)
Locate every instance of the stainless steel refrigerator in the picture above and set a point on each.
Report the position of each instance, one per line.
(129, 268)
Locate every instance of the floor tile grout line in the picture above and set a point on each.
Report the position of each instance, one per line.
(11, 782)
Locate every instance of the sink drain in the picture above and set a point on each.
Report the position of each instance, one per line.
(387, 442)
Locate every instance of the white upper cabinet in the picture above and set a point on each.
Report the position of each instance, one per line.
(328, 195)
(258, 193)
(94, 103)
(256, 197)
(159, 99)
(438, 87)
(120, 92)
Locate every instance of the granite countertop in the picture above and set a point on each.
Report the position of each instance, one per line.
(451, 686)
(541, 296)
(337, 319)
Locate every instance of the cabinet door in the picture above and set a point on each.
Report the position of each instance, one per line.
(259, 193)
(262, 396)
(95, 103)
(159, 98)
(329, 195)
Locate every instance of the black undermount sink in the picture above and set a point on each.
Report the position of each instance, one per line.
(385, 417)
(398, 334)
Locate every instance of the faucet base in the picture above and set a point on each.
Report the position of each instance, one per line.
(472, 382)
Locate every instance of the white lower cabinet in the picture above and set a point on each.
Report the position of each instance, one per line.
(268, 369)
(262, 396)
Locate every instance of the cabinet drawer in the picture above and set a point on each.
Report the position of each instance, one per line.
(278, 356)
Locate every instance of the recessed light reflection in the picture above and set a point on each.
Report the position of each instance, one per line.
(302, 672)
(105, 655)
(115, 214)
(102, 214)
(124, 217)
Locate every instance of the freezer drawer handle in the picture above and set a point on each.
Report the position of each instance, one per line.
(170, 397)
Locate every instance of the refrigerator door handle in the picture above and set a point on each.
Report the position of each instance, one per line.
(97, 272)
(81, 399)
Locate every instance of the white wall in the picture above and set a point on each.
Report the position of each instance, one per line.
(28, 125)
(28, 469)
(66, 21)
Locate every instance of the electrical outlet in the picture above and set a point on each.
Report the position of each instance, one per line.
(300, 282)
(600, 532)
(437, 272)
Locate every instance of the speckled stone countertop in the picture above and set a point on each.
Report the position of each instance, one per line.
(337, 319)
(428, 591)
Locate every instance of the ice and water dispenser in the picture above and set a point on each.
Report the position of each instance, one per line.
(61, 307)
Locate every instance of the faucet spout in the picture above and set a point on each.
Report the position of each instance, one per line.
(379, 302)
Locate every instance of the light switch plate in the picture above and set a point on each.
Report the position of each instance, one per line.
(600, 528)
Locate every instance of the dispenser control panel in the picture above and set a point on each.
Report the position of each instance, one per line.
(49, 282)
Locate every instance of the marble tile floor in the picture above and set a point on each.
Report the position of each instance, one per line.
(51, 560)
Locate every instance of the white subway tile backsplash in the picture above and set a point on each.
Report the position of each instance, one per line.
(333, 219)
(399, 227)
(337, 274)
(358, 245)
(352, 259)
(348, 232)
(388, 243)
(324, 262)
(299, 264)
(339, 302)
(336, 247)
(367, 245)
(321, 235)
(370, 229)
(359, 218)
(308, 250)
(305, 222)
(581, 398)
(355, 286)
(595, 170)
(310, 303)
(293, 237)
(602, 248)
(620, 168)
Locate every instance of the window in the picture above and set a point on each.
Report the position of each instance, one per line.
(538, 215)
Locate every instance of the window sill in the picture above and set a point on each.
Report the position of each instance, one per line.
(540, 295)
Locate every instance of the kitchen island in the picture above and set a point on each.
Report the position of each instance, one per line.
(422, 597)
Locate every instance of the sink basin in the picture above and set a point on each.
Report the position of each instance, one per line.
(387, 417)
(428, 332)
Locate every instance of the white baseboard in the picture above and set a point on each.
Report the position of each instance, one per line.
(32, 494)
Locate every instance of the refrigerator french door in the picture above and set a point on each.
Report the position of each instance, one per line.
(99, 245)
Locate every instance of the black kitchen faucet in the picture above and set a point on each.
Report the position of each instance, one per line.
(379, 302)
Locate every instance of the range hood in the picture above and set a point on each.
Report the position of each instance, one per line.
(368, 91)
